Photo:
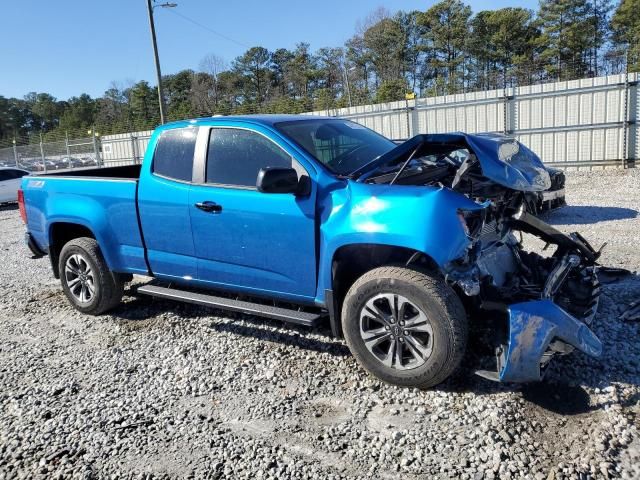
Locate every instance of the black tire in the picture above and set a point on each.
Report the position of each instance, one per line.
(440, 304)
(108, 286)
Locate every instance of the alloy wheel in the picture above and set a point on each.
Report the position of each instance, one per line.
(80, 278)
(396, 331)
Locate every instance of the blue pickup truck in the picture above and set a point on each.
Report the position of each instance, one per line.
(408, 251)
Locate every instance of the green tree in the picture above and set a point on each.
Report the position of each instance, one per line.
(600, 12)
(625, 26)
(253, 67)
(385, 42)
(15, 118)
(45, 111)
(446, 26)
(331, 83)
(392, 90)
(79, 113)
(303, 71)
(281, 71)
(502, 46)
(567, 39)
(413, 56)
(177, 92)
(143, 105)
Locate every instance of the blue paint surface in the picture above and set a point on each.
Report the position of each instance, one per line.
(532, 326)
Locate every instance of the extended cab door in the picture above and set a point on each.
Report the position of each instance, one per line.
(248, 240)
(163, 203)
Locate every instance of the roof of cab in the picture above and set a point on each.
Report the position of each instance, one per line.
(264, 119)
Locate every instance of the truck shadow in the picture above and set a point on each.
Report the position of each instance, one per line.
(583, 215)
(5, 207)
(318, 339)
(565, 390)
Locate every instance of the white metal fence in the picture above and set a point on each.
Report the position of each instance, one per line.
(573, 124)
(588, 122)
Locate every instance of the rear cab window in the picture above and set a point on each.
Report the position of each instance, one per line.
(173, 155)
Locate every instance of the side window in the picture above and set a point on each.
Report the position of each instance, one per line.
(235, 157)
(4, 175)
(173, 156)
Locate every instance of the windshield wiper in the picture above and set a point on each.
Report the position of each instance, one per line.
(357, 172)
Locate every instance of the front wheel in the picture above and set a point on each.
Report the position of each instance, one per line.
(404, 326)
(86, 279)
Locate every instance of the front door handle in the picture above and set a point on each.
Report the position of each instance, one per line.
(210, 207)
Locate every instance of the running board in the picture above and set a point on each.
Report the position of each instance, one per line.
(307, 319)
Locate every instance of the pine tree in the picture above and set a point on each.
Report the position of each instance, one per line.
(446, 28)
(567, 40)
(625, 26)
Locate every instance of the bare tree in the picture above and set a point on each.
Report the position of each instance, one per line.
(206, 83)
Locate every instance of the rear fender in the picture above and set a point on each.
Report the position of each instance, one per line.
(113, 228)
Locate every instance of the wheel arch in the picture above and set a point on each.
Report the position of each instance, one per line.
(60, 233)
(349, 262)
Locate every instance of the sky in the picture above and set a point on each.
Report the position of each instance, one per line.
(69, 47)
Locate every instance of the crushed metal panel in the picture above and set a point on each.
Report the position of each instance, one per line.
(532, 327)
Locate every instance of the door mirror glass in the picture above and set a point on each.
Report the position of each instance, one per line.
(278, 180)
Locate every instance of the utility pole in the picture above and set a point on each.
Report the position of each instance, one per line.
(346, 81)
(155, 53)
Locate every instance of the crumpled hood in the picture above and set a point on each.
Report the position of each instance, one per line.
(502, 159)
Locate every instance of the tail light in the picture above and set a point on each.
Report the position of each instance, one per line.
(23, 210)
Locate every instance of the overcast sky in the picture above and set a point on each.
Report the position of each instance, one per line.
(67, 47)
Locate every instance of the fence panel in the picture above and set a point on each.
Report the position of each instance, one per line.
(124, 148)
(588, 122)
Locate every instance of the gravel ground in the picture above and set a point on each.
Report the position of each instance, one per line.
(164, 390)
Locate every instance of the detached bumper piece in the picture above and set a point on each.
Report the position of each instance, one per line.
(536, 330)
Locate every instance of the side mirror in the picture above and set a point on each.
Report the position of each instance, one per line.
(279, 180)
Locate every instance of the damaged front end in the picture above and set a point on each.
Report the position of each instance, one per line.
(534, 307)
(529, 307)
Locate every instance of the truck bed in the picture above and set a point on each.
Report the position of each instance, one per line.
(127, 172)
(102, 200)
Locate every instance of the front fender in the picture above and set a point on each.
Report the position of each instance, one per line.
(418, 218)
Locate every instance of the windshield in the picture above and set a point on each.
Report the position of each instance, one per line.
(341, 145)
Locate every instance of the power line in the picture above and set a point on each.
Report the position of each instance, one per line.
(191, 20)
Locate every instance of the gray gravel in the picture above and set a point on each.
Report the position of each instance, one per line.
(163, 390)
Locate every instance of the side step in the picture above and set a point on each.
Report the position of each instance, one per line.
(307, 319)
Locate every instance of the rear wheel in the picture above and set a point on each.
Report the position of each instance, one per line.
(404, 326)
(86, 280)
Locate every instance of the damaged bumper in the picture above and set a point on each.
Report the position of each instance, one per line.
(537, 331)
(547, 303)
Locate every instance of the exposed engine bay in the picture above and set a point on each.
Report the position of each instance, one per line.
(531, 306)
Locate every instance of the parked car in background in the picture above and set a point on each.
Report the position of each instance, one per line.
(71, 162)
(41, 166)
(10, 179)
(401, 248)
(88, 161)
